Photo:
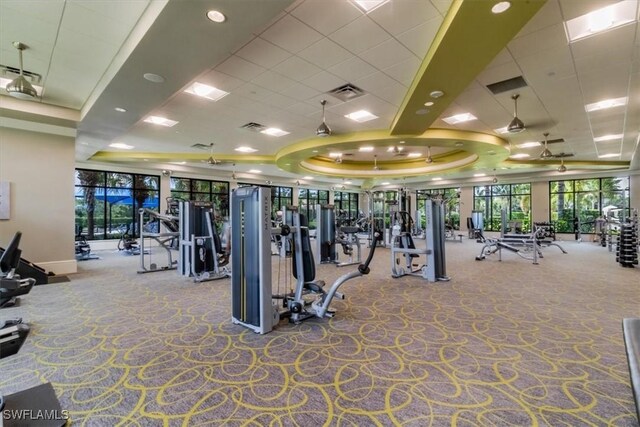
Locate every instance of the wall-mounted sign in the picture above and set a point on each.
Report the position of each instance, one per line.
(5, 199)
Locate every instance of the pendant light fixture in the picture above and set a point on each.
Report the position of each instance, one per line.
(495, 178)
(516, 125)
(323, 130)
(562, 168)
(19, 87)
(546, 153)
(375, 162)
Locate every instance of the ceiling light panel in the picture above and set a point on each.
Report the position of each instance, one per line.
(365, 149)
(414, 154)
(607, 103)
(368, 5)
(205, 91)
(333, 155)
(519, 156)
(254, 171)
(437, 178)
(608, 138)
(479, 175)
(608, 155)
(308, 178)
(460, 118)
(161, 121)
(121, 145)
(361, 116)
(597, 21)
(529, 144)
(274, 132)
(246, 150)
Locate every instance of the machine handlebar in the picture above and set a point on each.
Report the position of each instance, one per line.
(364, 268)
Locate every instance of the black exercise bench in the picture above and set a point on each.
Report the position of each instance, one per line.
(631, 332)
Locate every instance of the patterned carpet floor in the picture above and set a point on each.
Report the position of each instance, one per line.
(502, 343)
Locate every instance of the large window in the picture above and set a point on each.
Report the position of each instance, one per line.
(280, 197)
(515, 198)
(451, 206)
(107, 203)
(346, 205)
(203, 190)
(307, 201)
(585, 199)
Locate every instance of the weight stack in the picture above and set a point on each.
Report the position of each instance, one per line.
(627, 250)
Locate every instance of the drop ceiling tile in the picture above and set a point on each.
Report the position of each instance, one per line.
(352, 69)
(263, 53)
(326, 16)
(240, 68)
(300, 92)
(499, 73)
(374, 81)
(442, 6)
(280, 101)
(360, 35)
(573, 9)
(324, 81)
(619, 39)
(504, 57)
(550, 64)
(296, 68)
(87, 22)
(539, 41)
(419, 39)
(40, 42)
(306, 109)
(273, 81)
(401, 15)
(404, 71)
(43, 10)
(325, 53)
(386, 54)
(393, 93)
(548, 15)
(84, 45)
(122, 11)
(291, 34)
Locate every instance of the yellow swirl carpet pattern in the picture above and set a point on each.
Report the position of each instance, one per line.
(505, 343)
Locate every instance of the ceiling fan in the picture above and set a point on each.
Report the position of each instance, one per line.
(323, 130)
(212, 160)
(19, 87)
(562, 168)
(397, 151)
(375, 162)
(516, 125)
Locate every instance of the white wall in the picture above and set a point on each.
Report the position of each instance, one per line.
(40, 168)
(466, 206)
(540, 201)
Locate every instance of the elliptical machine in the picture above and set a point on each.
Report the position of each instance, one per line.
(11, 285)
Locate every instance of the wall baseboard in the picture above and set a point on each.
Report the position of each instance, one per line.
(60, 267)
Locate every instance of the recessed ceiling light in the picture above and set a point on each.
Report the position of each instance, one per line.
(274, 132)
(501, 130)
(368, 5)
(428, 104)
(400, 142)
(178, 163)
(155, 78)
(529, 144)
(308, 178)
(156, 120)
(206, 91)
(422, 111)
(246, 150)
(519, 156)
(436, 178)
(361, 116)
(121, 145)
(436, 94)
(606, 156)
(215, 16)
(479, 175)
(500, 7)
(287, 164)
(120, 110)
(459, 144)
(314, 151)
(394, 149)
(146, 160)
(348, 182)
(607, 103)
(335, 154)
(254, 171)
(385, 183)
(414, 154)
(606, 18)
(608, 137)
(460, 118)
(365, 149)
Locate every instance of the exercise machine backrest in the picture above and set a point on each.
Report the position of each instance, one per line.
(11, 256)
(308, 262)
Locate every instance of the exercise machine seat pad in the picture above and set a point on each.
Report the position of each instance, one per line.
(631, 332)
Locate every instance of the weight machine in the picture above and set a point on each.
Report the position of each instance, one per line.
(403, 247)
(377, 213)
(254, 304)
(167, 240)
(201, 253)
(11, 285)
(326, 235)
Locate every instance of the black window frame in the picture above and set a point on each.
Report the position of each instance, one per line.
(492, 222)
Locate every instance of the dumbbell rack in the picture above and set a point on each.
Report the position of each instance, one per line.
(627, 251)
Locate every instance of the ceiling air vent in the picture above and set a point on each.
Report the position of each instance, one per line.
(201, 146)
(8, 71)
(507, 85)
(254, 127)
(346, 92)
(555, 141)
